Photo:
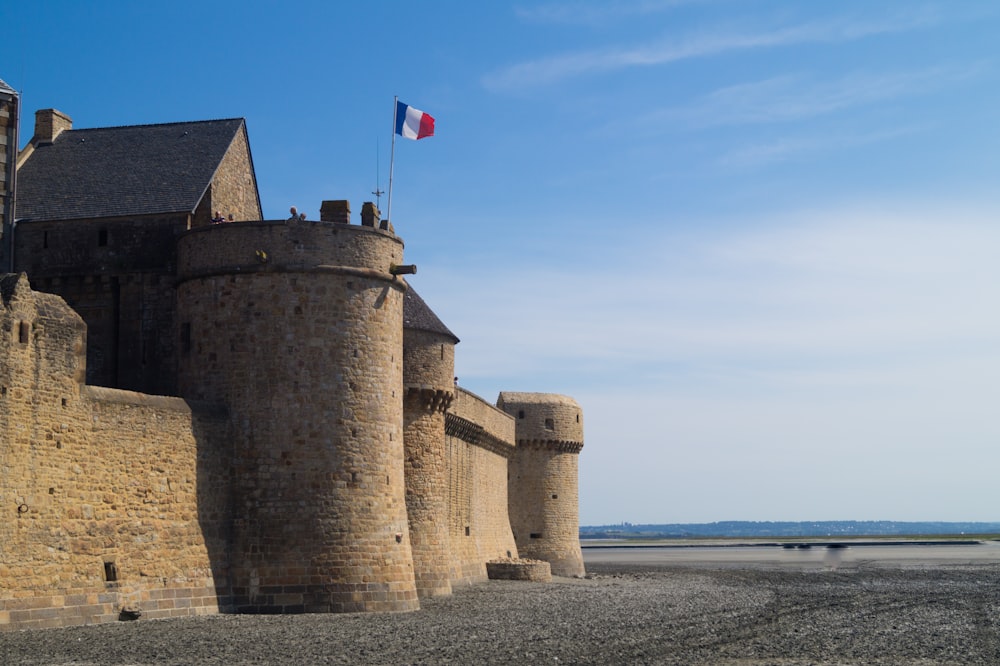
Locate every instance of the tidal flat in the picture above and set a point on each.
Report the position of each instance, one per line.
(701, 608)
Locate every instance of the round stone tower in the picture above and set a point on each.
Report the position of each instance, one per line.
(429, 388)
(542, 483)
(296, 327)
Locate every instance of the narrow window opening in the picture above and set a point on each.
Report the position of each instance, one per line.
(23, 332)
(65, 402)
(110, 572)
(442, 352)
(45, 239)
(102, 237)
(549, 424)
(577, 418)
(555, 497)
(520, 413)
(468, 532)
(536, 535)
(186, 338)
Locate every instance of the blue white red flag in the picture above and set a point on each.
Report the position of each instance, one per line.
(413, 123)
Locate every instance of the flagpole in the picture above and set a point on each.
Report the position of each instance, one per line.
(392, 156)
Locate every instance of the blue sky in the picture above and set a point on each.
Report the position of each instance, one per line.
(756, 240)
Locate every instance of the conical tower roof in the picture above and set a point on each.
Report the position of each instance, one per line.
(417, 315)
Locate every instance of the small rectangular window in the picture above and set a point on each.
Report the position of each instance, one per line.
(549, 424)
(536, 535)
(110, 572)
(23, 332)
(102, 237)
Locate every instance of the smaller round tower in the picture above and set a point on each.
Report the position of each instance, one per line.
(428, 389)
(543, 496)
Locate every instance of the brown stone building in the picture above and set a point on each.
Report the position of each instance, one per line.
(99, 212)
(9, 113)
(249, 417)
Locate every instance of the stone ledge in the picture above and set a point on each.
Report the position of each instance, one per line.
(519, 569)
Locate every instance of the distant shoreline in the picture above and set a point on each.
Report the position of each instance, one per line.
(791, 543)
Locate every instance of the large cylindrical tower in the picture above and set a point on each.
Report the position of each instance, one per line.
(429, 385)
(297, 328)
(543, 494)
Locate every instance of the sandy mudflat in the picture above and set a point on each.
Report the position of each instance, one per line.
(870, 613)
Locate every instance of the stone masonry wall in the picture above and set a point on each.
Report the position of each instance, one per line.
(479, 441)
(297, 327)
(234, 187)
(543, 493)
(118, 275)
(116, 500)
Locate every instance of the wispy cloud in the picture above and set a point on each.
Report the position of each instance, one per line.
(588, 13)
(792, 148)
(857, 288)
(795, 96)
(549, 70)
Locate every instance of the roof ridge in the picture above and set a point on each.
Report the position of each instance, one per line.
(148, 125)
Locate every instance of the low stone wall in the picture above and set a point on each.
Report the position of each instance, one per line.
(530, 570)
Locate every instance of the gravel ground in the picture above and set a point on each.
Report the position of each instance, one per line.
(619, 614)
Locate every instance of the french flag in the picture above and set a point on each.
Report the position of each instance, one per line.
(413, 123)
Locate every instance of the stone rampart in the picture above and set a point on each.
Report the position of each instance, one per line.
(115, 500)
(479, 441)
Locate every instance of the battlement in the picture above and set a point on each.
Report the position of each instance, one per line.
(545, 419)
(288, 246)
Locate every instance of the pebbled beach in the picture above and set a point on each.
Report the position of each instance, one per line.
(621, 613)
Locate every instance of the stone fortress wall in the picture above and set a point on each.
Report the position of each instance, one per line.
(479, 442)
(279, 480)
(318, 455)
(112, 500)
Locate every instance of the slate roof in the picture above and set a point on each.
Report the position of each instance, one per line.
(123, 171)
(418, 316)
(6, 88)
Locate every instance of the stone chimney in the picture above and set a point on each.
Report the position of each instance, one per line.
(335, 211)
(370, 215)
(49, 124)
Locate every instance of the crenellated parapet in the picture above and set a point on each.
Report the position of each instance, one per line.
(428, 398)
(477, 435)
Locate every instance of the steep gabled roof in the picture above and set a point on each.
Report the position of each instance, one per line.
(418, 316)
(123, 171)
(5, 88)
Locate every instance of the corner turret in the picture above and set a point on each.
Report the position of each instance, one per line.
(542, 487)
